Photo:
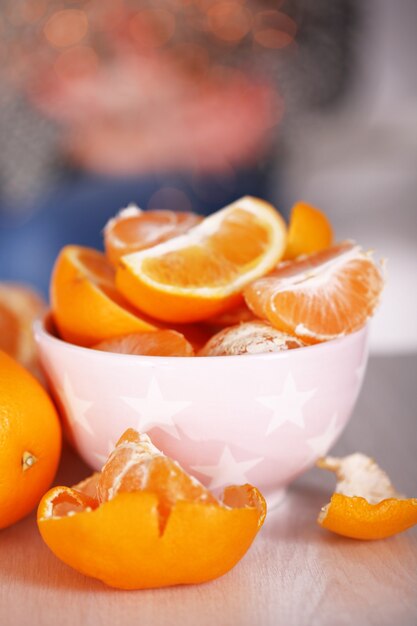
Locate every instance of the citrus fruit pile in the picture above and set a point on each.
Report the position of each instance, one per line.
(237, 282)
(143, 522)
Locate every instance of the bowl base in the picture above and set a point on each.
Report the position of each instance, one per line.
(274, 499)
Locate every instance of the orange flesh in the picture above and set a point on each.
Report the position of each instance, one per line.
(202, 273)
(125, 235)
(156, 343)
(326, 295)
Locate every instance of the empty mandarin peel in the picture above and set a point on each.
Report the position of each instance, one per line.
(143, 522)
(86, 306)
(202, 273)
(365, 504)
(309, 231)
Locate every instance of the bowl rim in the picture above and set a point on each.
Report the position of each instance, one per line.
(41, 332)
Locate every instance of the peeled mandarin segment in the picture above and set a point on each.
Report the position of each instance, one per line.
(365, 504)
(137, 465)
(323, 296)
(86, 306)
(155, 343)
(118, 536)
(309, 231)
(133, 230)
(202, 273)
(249, 338)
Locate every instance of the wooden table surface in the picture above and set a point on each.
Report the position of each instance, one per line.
(295, 573)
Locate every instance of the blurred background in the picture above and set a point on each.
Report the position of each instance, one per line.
(189, 104)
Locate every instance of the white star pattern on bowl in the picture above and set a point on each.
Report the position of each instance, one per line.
(287, 406)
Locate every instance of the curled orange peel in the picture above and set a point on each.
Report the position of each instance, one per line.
(365, 504)
(123, 543)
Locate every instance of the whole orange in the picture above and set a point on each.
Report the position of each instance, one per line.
(30, 441)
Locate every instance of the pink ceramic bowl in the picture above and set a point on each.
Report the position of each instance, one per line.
(261, 419)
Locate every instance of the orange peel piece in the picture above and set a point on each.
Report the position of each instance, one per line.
(309, 231)
(120, 540)
(365, 504)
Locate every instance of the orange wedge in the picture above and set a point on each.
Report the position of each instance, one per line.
(133, 230)
(154, 343)
(320, 297)
(309, 231)
(365, 504)
(202, 273)
(86, 306)
(143, 522)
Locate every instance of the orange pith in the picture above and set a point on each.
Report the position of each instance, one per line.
(133, 230)
(155, 343)
(365, 505)
(149, 524)
(254, 337)
(203, 272)
(30, 441)
(309, 231)
(320, 297)
(86, 306)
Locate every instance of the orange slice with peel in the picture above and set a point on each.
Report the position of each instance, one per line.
(365, 504)
(86, 306)
(133, 229)
(150, 524)
(202, 273)
(155, 343)
(249, 338)
(309, 231)
(319, 297)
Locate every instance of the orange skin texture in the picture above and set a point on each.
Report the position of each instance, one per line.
(355, 517)
(309, 231)
(121, 543)
(28, 424)
(205, 274)
(85, 304)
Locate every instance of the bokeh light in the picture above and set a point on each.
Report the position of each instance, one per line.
(273, 29)
(66, 28)
(152, 28)
(229, 21)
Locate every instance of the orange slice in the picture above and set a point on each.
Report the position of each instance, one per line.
(155, 343)
(202, 273)
(133, 230)
(143, 522)
(320, 297)
(86, 306)
(365, 504)
(249, 338)
(309, 231)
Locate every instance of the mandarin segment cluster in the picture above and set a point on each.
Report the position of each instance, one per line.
(237, 282)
